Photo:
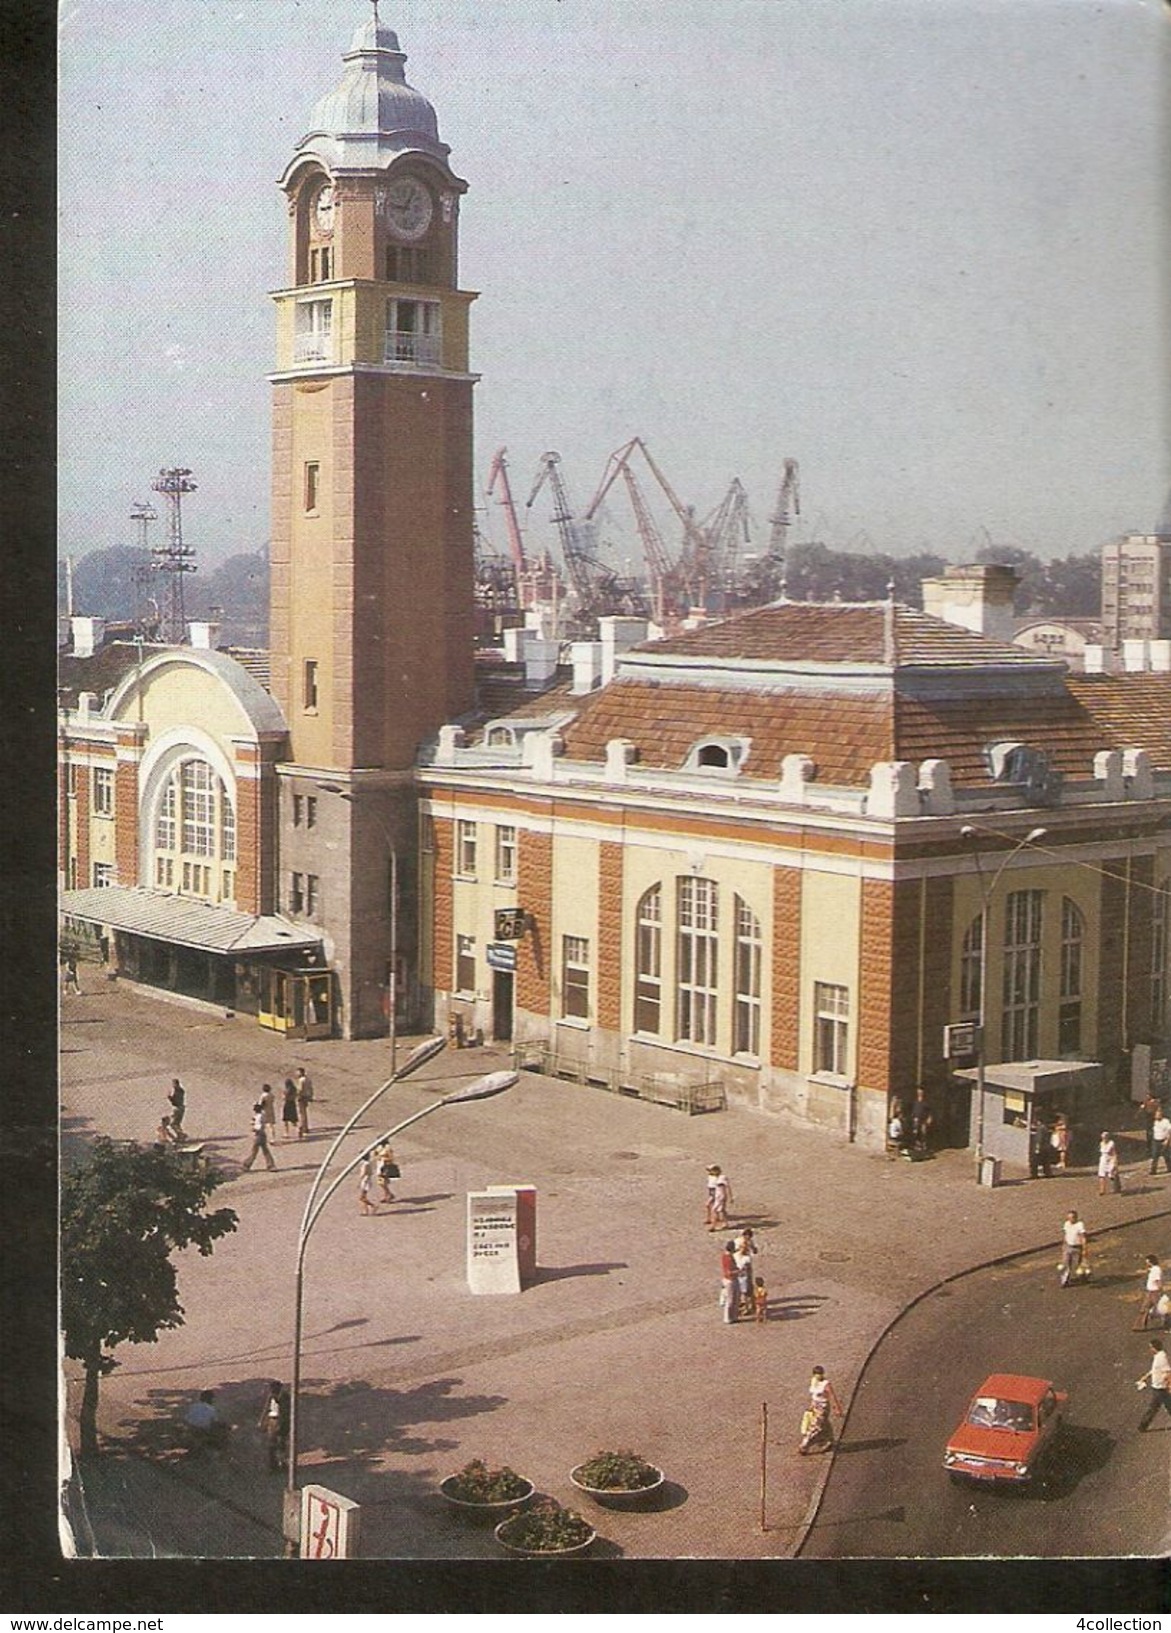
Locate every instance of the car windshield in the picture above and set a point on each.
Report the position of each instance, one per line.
(989, 1412)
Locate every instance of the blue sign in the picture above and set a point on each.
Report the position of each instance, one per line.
(500, 956)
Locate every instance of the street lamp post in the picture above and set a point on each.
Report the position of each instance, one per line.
(483, 1089)
(392, 979)
(987, 891)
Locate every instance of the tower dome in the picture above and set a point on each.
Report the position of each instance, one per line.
(372, 115)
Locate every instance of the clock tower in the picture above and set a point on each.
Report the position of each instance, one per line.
(372, 607)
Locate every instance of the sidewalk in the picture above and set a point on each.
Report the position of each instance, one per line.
(406, 1375)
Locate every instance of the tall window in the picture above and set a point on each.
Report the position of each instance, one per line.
(227, 829)
(296, 892)
(1160, 920)
(831, 1028)
(575, 978)
(648, 961)
(506, 855)
(465, 963)
(746, 1009)
(197, 797)
(972, 970)
(310, 691)
(312, 483)
(314, 337)
(194, 827)
(312, 895)
(412, 332)
(1022, 973)
(465, 848)
(1069, 1012)
(103, 875)
(103, 800)
(165, 832)
(698, 961)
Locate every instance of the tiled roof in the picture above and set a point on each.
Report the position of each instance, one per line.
(1131, 711)
(100, 673)
(840, 632)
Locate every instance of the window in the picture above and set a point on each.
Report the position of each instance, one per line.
(311, 810)
(314, 336)
(103, 794)
(227, 826)
(648, 961)
(506, 856)
(71, 779)
(831, 1023)
(165, 833)
(972, 970)
(1069, 1013)
(227, 885)
(296, 892)
(312, 894)
(312, 484)
(465, 848)
(298, 810)
(575, 978)
(746, 1008)
(310, 690)
(194, 828)
(102, 875)
(713, 754)
(412, 332)
(408, 264)
(465, 963)
(1160, 919)
(196, 794)
(164, 871)
(697, 957)
(1022, 974)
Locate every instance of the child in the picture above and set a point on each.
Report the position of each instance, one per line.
(760, 1299)
(365, 1185)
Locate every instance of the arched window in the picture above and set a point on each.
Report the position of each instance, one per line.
(195, 833)
(972, 969)
(746, 1009)
(697, 962)
(1069, 1013)
(648, 961)
(713, 754)
(1022, 974)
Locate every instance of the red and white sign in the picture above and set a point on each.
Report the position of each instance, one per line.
(329, 1524)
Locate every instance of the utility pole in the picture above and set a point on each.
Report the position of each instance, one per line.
(174, 558)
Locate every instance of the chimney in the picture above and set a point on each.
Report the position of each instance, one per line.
(587, 665)
(540, 659)
(619, 635)
(978, 598)
(204, 635)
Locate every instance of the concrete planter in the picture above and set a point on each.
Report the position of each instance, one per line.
(484, 1513)
(620, 1497)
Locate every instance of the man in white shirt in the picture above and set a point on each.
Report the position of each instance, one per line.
(1161, 1141)
(1158, 1381)
(1073, 1248)
(1151, 1292)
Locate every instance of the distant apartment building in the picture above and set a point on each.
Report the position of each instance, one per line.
(1136, 588)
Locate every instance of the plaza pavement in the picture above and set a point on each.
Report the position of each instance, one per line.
(406, 1375)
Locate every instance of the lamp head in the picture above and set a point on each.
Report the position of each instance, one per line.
(483, 1088)
(419, 1056)
(1035, 835)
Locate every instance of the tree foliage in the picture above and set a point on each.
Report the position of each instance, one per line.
(124, 1211)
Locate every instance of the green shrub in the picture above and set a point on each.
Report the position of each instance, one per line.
(617, 1471)
(546, 1528)
(477, 1483)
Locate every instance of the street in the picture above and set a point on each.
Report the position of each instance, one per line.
(889, 1496)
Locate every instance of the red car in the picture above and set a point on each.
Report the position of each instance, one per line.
(1008, 1429)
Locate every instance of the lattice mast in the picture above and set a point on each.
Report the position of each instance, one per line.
(174, 558)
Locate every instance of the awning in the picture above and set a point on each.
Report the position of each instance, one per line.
(184, 921)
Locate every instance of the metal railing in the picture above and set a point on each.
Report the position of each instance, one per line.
(663, 1088)
(408, 346)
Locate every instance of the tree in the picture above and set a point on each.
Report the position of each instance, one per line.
(124, 1211)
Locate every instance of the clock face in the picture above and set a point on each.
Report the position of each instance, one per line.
(323, 208)
(409, 207)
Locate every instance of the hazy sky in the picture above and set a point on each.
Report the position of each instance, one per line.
(920, 247)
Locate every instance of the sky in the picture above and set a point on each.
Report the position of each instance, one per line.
(920, 246)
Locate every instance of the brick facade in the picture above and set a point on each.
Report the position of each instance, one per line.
(126, 819)
(249, 845)
(609, 956)
(786, 983)
(875, 1017)
(935, 965)
(535, 892)
(81, 808)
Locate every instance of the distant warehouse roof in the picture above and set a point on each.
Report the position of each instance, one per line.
(185, 922)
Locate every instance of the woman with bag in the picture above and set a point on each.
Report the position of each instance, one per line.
(388, 1169)
(816, 1429)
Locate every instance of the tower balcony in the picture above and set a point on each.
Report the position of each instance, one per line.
(415, 350)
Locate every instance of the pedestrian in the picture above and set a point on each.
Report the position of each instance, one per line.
(259, 1139)
(1060, 1140)
(760, 1299)
(1158, 1380)
(897, 1131)
(178, 1100)
(290, 1116)
(1040, 1151)
(816, 1429)
(719, 1197)
(1074, 1247)
(388, 1169)
(274, 1424)
(1152, 1292)
(165, 1132)
(1161, 1141)
(1150, 1110)
(921, 1121)
(1108, 1175)
(70, 981)
(203, 1423)
(744, 1250)
(1163, 1312)
(304, 1101)
(268, 1101)
(366, 1185)
(729, 1284)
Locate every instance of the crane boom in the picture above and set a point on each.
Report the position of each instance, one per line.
(788, 505)
(499, 474)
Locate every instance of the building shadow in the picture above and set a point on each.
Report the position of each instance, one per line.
(548, 1272)
(883, 1444)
